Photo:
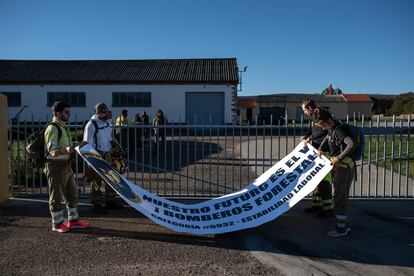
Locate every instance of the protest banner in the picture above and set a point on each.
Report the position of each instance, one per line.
(269, 196)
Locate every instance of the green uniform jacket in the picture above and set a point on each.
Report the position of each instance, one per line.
(55, 147)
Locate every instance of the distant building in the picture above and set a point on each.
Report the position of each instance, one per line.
(359, 104)
(200, 91)
(283, 106)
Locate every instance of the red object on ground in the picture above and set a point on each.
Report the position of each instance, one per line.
(60, 228)
(78, 224)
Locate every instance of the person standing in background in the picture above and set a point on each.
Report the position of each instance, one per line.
(145, 122)
(121, 134)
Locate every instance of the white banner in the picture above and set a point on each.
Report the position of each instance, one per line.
(269, 196)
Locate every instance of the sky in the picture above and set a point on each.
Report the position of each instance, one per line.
(296, 46)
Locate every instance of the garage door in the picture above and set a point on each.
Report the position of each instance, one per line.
(204, 107)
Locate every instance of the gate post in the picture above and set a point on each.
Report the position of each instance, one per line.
(4, 162)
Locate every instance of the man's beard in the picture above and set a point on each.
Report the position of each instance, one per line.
(103, 118)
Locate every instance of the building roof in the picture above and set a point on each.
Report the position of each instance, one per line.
(316, 97)
(357, 98)
(298, 98)
(246, 102)
(219, 70)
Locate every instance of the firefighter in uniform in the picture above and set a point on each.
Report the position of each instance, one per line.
(121, 134)
(99, 133)
(341, 146)
(59, 174)
(322, 202)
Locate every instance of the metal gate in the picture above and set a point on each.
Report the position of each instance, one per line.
(204, 161)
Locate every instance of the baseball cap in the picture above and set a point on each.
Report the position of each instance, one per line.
(101, 108)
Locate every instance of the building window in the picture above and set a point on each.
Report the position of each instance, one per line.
(75, 99)
(131, 99)
(13, 98)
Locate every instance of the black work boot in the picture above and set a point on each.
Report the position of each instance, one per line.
(340, 230)
(313, 209)
(326, 214)
(99, 209)
(113, 205)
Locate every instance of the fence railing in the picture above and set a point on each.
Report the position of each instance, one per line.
(204, 161)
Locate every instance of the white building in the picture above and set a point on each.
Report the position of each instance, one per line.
(198, 91)
(289, 105)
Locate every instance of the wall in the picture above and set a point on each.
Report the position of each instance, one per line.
(170, 98)
(339, 109)
(243, 114)
(4, 166)
(359, 108)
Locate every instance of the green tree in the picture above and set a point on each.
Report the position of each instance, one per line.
(403, 104)
(382, 104)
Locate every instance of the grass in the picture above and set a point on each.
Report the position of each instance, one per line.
(378, 150)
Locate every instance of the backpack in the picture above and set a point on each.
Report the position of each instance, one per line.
(36, 146)
(359, 142)
(95, 124)
(358, 138)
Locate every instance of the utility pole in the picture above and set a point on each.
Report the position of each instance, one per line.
(241, 78)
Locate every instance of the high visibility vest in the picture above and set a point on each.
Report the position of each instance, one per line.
(55, 147)
(347, 162)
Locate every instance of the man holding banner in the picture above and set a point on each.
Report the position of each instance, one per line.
(58, 171)
(99, 134)
(339, 140)
(322, 203)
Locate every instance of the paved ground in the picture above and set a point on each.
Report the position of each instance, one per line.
(122, 242)
(381, 243)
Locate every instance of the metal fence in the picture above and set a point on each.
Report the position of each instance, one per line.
(204, 161)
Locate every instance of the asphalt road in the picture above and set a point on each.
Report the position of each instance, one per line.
(381, 241)
(122, 243)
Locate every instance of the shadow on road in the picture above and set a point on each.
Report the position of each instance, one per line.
(381, 232)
